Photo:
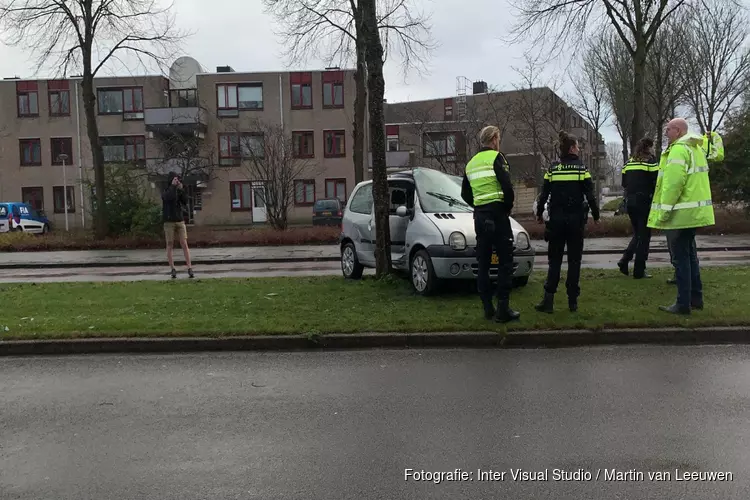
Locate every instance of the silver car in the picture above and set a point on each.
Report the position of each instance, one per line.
(432, 232)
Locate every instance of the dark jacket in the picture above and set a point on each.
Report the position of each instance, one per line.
(639, 181)
(568, 197)
(503, 177)
(174, 202)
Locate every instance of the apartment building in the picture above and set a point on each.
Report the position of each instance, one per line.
(203, 125)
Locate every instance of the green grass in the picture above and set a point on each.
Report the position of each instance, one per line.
(322, 305)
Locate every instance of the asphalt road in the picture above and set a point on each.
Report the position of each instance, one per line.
(140, 273)
(347, 425)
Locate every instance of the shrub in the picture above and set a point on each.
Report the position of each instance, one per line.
(612, 205)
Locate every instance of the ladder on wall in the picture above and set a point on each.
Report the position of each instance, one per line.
(462, 87)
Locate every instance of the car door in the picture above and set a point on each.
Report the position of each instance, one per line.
(357, 223)
(4, 222)
(397, 226)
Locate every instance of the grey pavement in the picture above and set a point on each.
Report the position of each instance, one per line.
(277, 269)
(348, 425)
(277, 254)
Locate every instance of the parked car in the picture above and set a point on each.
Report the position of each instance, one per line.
(23, 217)
(432, 232)
(328, 212)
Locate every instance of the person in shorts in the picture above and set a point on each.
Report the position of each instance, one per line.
(174, 204)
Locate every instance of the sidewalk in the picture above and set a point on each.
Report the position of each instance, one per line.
(310, 253)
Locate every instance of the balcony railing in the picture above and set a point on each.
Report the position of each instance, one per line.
(179, 120)
(198, 167)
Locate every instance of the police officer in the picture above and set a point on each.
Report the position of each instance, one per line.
(569, 187)
(487, 187)
(639, 180)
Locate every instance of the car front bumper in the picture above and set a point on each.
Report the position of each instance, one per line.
(462, 264)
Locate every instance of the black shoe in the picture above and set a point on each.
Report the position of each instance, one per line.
(696, 304)
(190, 273)
(173, 273)
(573, 304)
(504, 313)
(547, 305)
(671, 281)
(675, 309)
(623, 265)
(489, 310)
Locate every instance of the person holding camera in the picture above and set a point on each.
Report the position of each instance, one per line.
(174, 204)
(570, 190)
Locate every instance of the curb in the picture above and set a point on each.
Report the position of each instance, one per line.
(531, 339)
(292, 260)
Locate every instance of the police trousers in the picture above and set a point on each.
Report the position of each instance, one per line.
(493, 230)
(641, 240)
(565, 231)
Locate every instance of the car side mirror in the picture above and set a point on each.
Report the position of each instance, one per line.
(402, 211)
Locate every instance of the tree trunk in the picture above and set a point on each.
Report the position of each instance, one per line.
(376, 91)
(92, 128)
(360, 109)
(639, 103)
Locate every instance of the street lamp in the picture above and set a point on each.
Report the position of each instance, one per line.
(62, 158)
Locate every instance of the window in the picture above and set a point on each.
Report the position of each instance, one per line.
(301, 86)
(362, 200)
(58, 93)
(333, 89)
(34, 196)
(241, 193)
(183, 98)
(31, 152)
(127, 102)
(336, 188)
(252, 146)
(304, 144)
(333, 143)
(60, 146)
(58, 198)
(231, 98)
(391, 132)
(233, 148)
(448, 109)
(27, 97)
(304, 192)
(437, 144)
(124, 149)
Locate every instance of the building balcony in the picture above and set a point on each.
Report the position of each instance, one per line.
(394, 160)
(178, 120)
(189, 168)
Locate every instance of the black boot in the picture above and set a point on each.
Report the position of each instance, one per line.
(572, 303)
(504, 313)
(623, 265)
(547, 305)
(489, 309)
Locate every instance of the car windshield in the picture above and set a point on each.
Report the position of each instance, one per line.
(439, 192)
(326, 205)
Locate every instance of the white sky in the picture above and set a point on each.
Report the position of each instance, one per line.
(238, 33)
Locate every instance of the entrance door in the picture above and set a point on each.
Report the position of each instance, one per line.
(259, 202)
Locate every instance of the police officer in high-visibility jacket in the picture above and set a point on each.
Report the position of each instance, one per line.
(639, 180)
(487, 187)
(713, 146)
(570, 189)
(682, 203)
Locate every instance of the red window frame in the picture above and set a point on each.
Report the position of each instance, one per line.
(235, 158)
(57, 194)
(58, 88)
(229, 89)
(334, 133)
(25, 142)
(129, 145)
(125, 110)
(27, 89)
(297, 83)
(36, 202)
(448, 109)
(304, 183)
(331, 81)
(232, 185)
(303, 137)
(67, 148)
(336, 182)
(132, 91)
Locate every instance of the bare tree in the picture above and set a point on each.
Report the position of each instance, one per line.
(368, 28)
(269, 157)
(636, 23)
(84, 35)
(718, 62)
(613, 165)
(328, 29)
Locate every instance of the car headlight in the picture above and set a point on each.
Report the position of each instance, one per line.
(522, 241)
(457, 241)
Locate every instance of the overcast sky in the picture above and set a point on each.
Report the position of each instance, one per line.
(239, 34)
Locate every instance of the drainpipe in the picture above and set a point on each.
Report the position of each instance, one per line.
(281, 101)
(80, 157)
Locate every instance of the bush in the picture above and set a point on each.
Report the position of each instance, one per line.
(612, 205)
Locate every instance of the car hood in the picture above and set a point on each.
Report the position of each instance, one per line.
(464, 222)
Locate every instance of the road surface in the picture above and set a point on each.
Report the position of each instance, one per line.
(347, 425)
(137, 273)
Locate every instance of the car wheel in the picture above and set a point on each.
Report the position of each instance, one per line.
(350, 265)
(521, 281)
(422, 273)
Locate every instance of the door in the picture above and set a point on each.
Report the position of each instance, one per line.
(30, 219)
(259, 202)
(356, 223)
(398, 194)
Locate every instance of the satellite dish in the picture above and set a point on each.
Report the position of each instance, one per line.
(182, 73)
